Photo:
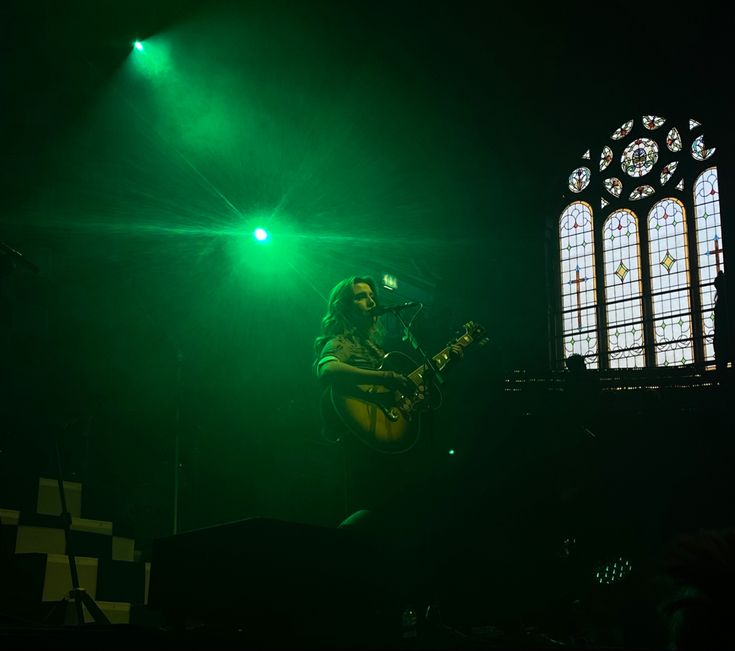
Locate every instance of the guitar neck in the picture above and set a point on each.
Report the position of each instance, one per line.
(441, 360)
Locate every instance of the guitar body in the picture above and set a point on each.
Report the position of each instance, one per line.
(380, 417)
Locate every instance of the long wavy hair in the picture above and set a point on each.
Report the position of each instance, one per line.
(337, 319)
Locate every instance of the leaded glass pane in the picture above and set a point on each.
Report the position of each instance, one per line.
(680, 185)
(699, 151)
(579, 179)
(677, 352)
(579, 314)
(669, 272)
(639, 157)
(605, 157)
(580, 340)
(613, 186)
(576, 256)
(693, 124)
(623, 300)
(674, 304)
(710, 253)
(667, 246)
(586, 155)
(708, 325)
(641, 192)
(626, 359)
(622, 131)
(673, 140)
(668, 171)
(603, 203)
(652, 122)
(709, 231)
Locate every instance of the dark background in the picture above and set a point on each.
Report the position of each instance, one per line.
(428, 140)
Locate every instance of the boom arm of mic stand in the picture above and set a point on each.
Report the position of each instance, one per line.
(428, 362)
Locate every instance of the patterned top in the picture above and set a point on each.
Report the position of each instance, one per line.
(352, 351)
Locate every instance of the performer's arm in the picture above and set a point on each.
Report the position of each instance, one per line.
(335, 372)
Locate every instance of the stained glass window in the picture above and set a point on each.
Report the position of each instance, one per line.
(668, 171)
(675, 331)
(641, 192)
(669, 271)
(639, 157)
(673, 140)
(605, 157)
(613, 186)
(652, 122)
(622, 131)
(579, 179)
(709, 249)
(623, 293)
(699, 151)
(579, 310)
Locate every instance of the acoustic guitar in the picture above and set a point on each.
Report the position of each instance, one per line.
(387, 420)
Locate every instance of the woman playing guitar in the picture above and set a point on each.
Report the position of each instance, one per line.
(373, 411)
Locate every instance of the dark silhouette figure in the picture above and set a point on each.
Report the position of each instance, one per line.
(575, 365)
(582, 395)
(723, 339)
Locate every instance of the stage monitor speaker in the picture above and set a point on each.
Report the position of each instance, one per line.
(271, 577)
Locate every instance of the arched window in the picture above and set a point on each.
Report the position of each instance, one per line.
(656, 245)
(669, 264)
(709, 249)
(623, 292)
(578, 282)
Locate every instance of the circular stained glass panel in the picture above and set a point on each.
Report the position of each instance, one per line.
(639, 157)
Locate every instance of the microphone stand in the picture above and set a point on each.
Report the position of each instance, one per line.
(77, 598)
(177, 442)
(430, 374)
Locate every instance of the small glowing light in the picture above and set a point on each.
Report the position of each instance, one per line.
(260, 234)
(138, 46)
(390, 281)
(451, 451)
(613, 572)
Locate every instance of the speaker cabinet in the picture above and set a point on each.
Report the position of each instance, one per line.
(277, 581)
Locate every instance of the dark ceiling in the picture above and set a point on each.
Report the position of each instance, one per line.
(535, 83)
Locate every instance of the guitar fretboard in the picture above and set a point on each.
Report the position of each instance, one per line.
(441, 360)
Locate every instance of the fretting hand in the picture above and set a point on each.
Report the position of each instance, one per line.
(456, 351)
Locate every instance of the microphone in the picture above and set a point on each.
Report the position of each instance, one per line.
(379, 310)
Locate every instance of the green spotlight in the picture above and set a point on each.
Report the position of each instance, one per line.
(153, 59)
(260, 234)
(451, 452)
